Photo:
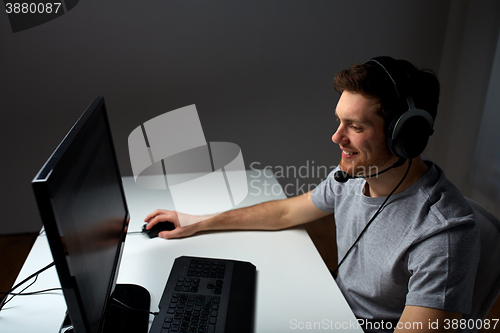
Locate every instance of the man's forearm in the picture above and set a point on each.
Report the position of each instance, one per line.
(264, 216)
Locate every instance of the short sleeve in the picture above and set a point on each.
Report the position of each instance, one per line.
(443, 269)
(323, 194)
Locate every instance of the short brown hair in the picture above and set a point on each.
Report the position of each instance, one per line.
(370, 80)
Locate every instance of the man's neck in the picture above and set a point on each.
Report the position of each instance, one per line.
(384, 184)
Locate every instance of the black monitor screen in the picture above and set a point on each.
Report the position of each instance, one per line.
(83, 209)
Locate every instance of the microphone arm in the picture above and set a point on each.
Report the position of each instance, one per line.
(342, 176)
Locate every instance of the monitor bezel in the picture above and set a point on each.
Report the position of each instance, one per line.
(42, 189)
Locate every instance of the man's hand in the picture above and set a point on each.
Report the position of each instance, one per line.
(162, 215)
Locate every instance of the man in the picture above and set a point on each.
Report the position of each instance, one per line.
(416, 262)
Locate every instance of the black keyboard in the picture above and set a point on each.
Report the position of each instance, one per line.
(207, 295)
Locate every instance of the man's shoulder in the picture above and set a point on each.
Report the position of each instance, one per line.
(441, 211)
(444, 199)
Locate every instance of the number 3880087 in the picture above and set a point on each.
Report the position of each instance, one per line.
(32, 8)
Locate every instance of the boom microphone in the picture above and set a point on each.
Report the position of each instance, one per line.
(342, 176)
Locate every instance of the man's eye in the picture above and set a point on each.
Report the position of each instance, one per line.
(355, 128)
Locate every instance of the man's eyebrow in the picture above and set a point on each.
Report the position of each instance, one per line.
(349, 120)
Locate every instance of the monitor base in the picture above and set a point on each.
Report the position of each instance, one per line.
(120, 319)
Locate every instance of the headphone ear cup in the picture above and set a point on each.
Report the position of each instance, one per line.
(408, 137)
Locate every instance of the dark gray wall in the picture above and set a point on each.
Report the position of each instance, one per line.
(466, 141)
(259, 72)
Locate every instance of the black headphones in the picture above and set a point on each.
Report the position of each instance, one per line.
(408, 133)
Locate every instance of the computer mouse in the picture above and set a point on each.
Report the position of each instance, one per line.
(159, 227)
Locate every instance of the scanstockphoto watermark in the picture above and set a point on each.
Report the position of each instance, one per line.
(296, 180)
(352, 324)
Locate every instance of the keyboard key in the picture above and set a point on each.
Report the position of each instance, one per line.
(207, 302)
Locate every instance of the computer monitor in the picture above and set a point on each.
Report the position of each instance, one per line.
(81, 200)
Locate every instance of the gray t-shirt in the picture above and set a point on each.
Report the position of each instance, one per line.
(422, 249)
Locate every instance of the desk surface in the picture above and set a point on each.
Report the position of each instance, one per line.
(294, 287)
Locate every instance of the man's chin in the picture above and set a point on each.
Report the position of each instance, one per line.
(357, 170)
(347, 168)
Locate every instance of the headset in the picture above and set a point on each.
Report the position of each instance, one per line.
(408, 133)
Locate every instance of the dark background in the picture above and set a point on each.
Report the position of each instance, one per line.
(259, 72)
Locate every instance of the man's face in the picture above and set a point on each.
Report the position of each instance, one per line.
(360, 135)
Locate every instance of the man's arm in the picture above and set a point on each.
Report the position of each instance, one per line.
(271, 215)
(421, 319)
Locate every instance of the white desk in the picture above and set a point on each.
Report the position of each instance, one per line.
(294, 287)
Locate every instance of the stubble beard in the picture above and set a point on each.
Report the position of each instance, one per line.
(364, 166)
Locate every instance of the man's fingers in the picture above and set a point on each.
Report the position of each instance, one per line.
(160, 215)
(152, 215)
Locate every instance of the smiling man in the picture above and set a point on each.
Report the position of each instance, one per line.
(406, 236)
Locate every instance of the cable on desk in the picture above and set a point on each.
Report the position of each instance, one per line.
(31, 293)
(35, 275)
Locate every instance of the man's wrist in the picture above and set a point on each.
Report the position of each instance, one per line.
(202, 225)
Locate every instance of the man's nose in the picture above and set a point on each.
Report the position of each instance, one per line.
(339, 136)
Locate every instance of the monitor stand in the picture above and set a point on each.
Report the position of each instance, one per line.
(120, 319)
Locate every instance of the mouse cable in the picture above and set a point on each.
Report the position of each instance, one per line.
(125, 306)
(4, 300)
(334, 273)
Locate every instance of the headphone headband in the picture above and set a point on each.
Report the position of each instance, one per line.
(401, 81)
